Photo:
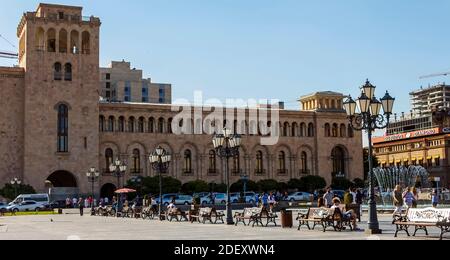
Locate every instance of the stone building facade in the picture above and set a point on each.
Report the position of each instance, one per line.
(53, 127)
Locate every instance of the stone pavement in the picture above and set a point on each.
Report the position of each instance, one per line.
(74, 227)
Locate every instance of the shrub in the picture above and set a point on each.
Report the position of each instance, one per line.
(312, 183)
(194, 186)
(9, 191)
(267, 185)
(341, 184)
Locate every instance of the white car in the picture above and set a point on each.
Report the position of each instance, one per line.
(299, 196)
(25, 206)
(3, 206)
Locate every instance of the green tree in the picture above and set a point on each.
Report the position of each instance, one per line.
(239, 186)
(150, 185)
(267, 185)
(359, 183)
(312, 183)
(194, 186)
(221, 188)
(9, 191)
(296, 184)
(341, 184)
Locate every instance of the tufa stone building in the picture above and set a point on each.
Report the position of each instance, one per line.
(54, 124)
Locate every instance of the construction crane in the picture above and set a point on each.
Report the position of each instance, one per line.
(444, 74)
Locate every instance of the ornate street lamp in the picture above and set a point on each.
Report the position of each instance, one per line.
(227, 146)
(93, 176)
(160, 161)
(15, 182)
(370, 119)
(118, 169)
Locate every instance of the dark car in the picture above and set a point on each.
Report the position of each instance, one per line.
(59, 204)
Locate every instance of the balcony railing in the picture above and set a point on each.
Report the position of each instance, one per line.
(304, 172)
(212, 172)
(235, 172)
(260, 172)
(282, 172)
(136, 172)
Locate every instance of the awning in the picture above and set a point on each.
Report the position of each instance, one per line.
(406, 160)
(437, 157)
(429, 157)
(420, 158)
(413, 159)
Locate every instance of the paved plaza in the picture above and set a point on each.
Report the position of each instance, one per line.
(74, 227)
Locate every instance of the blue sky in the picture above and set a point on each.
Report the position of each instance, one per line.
(269, 49)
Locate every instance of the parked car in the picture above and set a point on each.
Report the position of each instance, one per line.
(299, 196)
(339, 193)
(41, 199)
(219, 198)
(200, 194)
(250, 197)
(235, 197)
(183, 200)
(25, 206)
(3, 206)
(59, 204)
(167, 198)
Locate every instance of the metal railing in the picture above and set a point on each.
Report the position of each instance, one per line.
(235, 172)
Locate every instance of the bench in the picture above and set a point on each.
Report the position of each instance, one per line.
(149, 212)
(176, 214)
(210, 214)
(325, 217)
(422, 219)
(256, 216)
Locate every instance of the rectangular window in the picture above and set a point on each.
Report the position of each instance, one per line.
(108, 76)
(108, 94)
(162, 94)
(127, 94)
(61, 15)
(108, 85)
(144, 92)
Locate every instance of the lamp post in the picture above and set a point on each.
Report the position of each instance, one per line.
(93, 176)
(15, 182)
(370, 119)
(227, 146)
(160, 161)
(118, 169)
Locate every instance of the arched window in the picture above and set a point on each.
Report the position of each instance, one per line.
(259, 162)
(111, 120)
(74, 42)
(327, 130)
(109, 158)
(121, 124)
(304, 163)
(335, 131)
(136, 162)
(131, 123)
(40, 39)
(85, 43)
(63, 41)
(286, 129)
(161, 125)
(311, 130)
(282, 162)
(151, 125)
(57, 71)
(68, 72)
(343, 131)
(294, 130)
(51, 40)
(338, 157)
(351, 133)
(236, 164)
(187, 161)
(302, 129)
(141, 125)
(212, 161)
(101, 124)
(63, 128)
(169, 125)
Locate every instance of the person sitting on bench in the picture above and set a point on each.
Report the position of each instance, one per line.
(351, 215)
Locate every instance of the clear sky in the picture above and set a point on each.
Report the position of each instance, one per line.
(269, 48)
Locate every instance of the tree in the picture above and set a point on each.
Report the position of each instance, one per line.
(9, 191)
(341, 184)
(359, 183)
(295, 184)
(239, 186)
(312, 183)
(221, 188)
(267, 185)
(150, 185)
(375, 163)
(194, 187)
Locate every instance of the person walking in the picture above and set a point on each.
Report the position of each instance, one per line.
(408, 196)
(435, 198)
(398, 200)
(328, 198)
(81, 206)
(416, 197)
(74, 202)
